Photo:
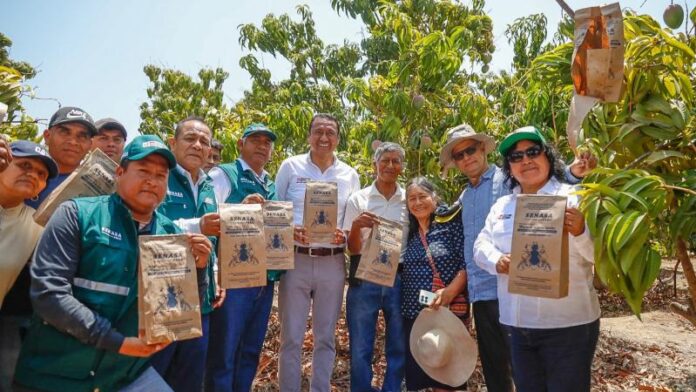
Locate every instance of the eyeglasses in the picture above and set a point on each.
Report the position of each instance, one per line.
(469, 151)
(531, 153)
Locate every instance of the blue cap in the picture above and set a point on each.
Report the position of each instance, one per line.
(26, 149)
(144, 145)
(259, 128)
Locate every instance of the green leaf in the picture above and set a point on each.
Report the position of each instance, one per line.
(663, 154)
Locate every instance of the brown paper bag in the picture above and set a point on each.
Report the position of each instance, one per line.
(96, 176)
(168, 304)
(279, 231)
(242, 261)
(597, 66)
(381, 260)
(539, 257)
(321, 211)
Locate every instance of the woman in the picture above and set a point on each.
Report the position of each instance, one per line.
(552, 340)
(443, 243)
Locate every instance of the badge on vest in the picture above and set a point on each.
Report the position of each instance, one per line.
(175, 194)
(111, 234)
(208, 200)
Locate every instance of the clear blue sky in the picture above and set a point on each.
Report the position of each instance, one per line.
(91, 53)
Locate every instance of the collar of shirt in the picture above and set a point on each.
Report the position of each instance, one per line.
(260, 178)
(194, 185)
(550, 188)
(310, 162)
(374, 192)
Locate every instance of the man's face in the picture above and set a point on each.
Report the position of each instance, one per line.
(388, 167)
(143, 184)
(110, 141)
(256, 149)
(214, 159)
(192, 146)
(68, 144)
(470, 157)
(323, 136)
(24, 178)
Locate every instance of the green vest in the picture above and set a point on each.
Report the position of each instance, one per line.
(179, 204)
(106, 282)
(245, 184)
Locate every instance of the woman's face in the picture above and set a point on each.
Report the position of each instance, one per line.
(532, 170)
(420, 202)
(24, 178)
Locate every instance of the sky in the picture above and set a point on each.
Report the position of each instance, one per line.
(91, 53)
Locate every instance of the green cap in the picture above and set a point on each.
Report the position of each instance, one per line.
(258, 128)
(144, 145)
(524, 133)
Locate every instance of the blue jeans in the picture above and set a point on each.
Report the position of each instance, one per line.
(237, 331)
(553, 360)
(182, 363)
(150, 380)
(363, 303)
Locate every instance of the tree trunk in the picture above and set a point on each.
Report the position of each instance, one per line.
(688, 312)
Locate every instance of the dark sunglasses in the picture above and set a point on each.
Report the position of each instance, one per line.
(469, 151)
(531, 153)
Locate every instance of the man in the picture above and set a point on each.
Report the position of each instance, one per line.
(24, 177)
(387, 199)
(189, 196)
(215, 155)
(68, 139)
(110, 138)
(319, 275)
(468, 151)
(238, 328)
(84, 283)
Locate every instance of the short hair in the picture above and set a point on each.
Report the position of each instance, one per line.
(388, 147)
(556, 166)
(180, 124)
(326, 116)
(216, 145)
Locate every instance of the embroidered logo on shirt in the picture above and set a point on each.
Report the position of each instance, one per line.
(208, 200)
(175, 194)
(302, 180)
(504, 216)
(247, 180)
(110, 233)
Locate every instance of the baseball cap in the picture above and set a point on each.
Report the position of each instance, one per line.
(524, 133)
(70, 114)
(144, 145)
(26, 149)
(259, 128)
(111, 124)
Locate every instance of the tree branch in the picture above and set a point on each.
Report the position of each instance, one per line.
(678, 188)
(566, 8)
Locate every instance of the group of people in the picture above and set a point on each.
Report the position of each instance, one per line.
(83, 334)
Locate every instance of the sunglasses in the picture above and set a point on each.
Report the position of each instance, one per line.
(531, 153)
(467, 152)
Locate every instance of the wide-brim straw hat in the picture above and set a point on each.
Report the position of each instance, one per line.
(442, 346)
(458, 134)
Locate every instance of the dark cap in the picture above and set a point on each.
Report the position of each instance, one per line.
(144, 145)
(70, 114)
(25, 149)
(524, 133)
(259, 128)
(111, 124)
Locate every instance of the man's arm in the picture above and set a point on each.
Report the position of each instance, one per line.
(282, 181)
(55, 262)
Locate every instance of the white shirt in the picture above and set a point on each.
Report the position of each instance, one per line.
(292, 178)
(191, 225)
(370, 199)
(18, 236)
(581, 306)
(222, 184)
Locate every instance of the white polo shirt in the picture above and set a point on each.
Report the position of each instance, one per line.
(291, 182)
(370, 199)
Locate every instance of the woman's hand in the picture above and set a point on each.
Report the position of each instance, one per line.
(443, 297)
(574, 221)
(503, 264)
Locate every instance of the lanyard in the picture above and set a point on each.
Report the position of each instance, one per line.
(429, 255)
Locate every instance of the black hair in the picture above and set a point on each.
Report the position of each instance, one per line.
(326, 116)
(429, 187)
(556, 166)
(216, 145)
(180, 124)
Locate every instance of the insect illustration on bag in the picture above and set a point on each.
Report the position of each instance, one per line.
(276, 243)
(243, 255)
(534, 258)
(322, 219)
(382, 258)
(171, 299)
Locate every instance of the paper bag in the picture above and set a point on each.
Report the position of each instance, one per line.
(242, 261)
(539, 256)
(380, 262)
(96, 176)
(597, 65)
(279, 230)
(168, 304)
(321, 211)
